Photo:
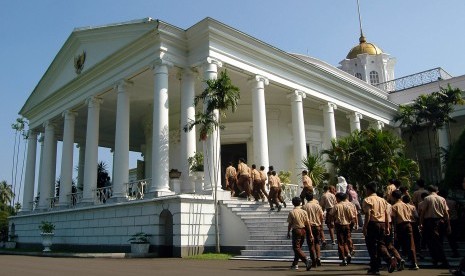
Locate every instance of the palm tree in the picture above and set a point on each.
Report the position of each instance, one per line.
(430, 112)
(18, 126)
(371, 155)
(219, 95)
(6, 193)
(316, 170)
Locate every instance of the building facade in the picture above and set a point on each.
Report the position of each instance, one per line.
(130, 87)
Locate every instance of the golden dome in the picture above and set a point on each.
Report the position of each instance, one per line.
(364, 48)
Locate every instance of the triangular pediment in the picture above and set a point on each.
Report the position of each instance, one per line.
(97, 43)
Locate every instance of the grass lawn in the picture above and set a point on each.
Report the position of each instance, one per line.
(211, 256)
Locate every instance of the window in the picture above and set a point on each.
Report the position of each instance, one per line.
(374, 78)
(358, 75)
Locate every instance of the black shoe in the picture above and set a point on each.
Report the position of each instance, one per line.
(284, 203)
(308, 264)
(279, 208)
(272, 209)
(401, 265)
(344, 262)
(318, 262)
(323, 244)
(414, 267)
(349, 259)
(392, 265)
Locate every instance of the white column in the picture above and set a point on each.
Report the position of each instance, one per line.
(443, 143)
(212, 146)
(121, 154)
(29, 178)
(91, 152)
(329, 124)
(188, 146)
(354, 118)
(81, 162)
(378, 125)
(160, 131)
(260, 134)
(298, 129)
(66, 178)
(47, 180)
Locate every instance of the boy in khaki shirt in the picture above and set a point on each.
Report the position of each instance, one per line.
(343, 215)
(298, 222)
(315, 215)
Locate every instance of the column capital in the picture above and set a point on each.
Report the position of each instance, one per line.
(215, 61)
(41, 138)
(328, 105)
(158, 64)
(94, 101)
(377, 125)
(49, 124)
(297, 95)
(354, 115)
(263, 79)
(68, 114)
(122, 85)
(31, 133)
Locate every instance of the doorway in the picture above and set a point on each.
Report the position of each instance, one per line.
(231, 153)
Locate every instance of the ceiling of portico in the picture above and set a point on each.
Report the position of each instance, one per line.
(141, 91)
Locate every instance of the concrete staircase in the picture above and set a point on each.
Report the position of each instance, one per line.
(268, 241)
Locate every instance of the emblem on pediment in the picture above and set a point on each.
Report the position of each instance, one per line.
(79, 61)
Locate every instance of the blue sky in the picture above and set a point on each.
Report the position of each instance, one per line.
(421, 34)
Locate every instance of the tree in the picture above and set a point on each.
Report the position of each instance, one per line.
(20, 132)
(455, 164)
(6, 193)
(103, 178)
(430, 112)
(316, 170)
(219, 96)
(371, 155)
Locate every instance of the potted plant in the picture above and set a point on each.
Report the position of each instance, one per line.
(47, 228)
(196, 168)
(196, 162)
(139, 243)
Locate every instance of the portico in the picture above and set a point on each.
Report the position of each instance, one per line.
(137, 95)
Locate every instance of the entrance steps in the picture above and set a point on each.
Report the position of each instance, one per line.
(268, 236)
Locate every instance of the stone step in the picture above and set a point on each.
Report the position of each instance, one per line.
(281, 241)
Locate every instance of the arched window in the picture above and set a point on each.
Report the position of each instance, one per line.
(358, 75)
(374, 78)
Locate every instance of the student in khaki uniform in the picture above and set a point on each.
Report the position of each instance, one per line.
(231, 178)
(262, 185)
(315, 215)
(416, 197)
(256, 183)
(434, 220)
(298, 222)
(391, 187)
(280, 190)
(327, 202)
(375, 227)
(343, 215)
(389, 239)
(274, 192)
(243, 178)
(402, 218)
(307, 186)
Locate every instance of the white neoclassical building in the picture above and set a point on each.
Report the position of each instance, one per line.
(130, 87)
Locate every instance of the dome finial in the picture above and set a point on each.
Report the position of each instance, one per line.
(362, 37)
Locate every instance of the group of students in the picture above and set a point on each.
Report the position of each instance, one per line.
(393, 222)
(250, 183)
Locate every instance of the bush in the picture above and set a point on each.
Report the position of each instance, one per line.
(455, 164)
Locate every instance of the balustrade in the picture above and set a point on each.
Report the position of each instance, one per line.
(136, 189)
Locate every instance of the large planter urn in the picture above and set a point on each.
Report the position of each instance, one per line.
(198, 181)
(47, 241)
(139, 248)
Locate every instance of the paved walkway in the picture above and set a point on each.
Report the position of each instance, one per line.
(46, 266)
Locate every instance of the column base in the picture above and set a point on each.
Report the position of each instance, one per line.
(159, 194)
(223, 195)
